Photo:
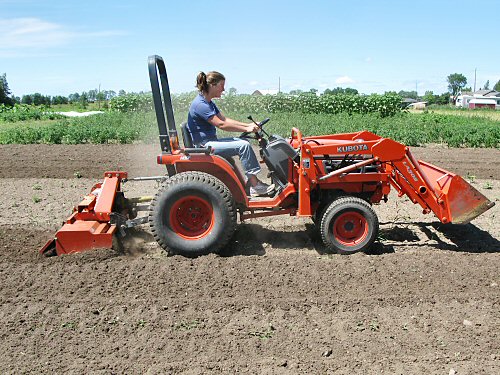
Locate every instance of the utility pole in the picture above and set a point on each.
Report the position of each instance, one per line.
(475, 71)
(279, 84)
(416, 88)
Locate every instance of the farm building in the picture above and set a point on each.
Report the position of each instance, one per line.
(265, 92)
(487, 94)
(479, 99)
(407, 101)
(417, 105)
(483, 103)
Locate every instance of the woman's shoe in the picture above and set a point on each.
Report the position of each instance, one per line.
(261, 189)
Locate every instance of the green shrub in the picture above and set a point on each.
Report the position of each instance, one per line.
(23, 112)
(408, 128)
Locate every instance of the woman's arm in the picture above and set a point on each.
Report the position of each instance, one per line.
(230, 125)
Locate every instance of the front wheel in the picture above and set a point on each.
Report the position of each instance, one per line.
(193, 213)
(348, 225)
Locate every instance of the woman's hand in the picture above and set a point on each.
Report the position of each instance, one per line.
(252, 128)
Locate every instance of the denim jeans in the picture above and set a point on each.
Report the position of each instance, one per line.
(226, 147)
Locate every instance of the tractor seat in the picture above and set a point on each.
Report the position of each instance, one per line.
(188, 143)
(186, 136)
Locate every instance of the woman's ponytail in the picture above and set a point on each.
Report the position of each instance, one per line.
(201, 82)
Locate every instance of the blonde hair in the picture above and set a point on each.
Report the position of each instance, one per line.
(203, 81)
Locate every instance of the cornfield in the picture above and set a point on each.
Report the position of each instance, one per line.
(385, 105)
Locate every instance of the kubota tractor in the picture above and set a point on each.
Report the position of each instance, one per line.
(334, 179)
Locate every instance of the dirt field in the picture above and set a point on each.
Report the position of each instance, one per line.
(424, 300)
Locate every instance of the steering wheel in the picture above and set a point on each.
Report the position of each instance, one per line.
(258, 134)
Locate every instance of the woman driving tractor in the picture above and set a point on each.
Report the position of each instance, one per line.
(203, 120)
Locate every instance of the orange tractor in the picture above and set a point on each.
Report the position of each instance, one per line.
(334, 179)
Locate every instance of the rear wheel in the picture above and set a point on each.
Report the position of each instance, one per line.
(192, 214)
(348, 225)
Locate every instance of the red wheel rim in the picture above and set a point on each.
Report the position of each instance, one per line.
(192, 217)
(350, 228)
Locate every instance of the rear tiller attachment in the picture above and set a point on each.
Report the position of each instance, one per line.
(97, 218)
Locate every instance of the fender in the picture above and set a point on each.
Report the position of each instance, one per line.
(212, 164)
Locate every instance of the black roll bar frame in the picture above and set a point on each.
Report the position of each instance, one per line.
(157, 65)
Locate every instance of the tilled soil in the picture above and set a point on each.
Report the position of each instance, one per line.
(424, 300)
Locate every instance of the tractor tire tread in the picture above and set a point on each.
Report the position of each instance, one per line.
(212, 183)
(346, 202)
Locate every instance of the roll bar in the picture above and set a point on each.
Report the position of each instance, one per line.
(157, 65)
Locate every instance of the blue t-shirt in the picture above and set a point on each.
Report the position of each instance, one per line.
(199, 127)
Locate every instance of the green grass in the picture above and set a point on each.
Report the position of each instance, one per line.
(7, 125)
(105, 128)
(408, 128)
(488, 113)
(24, 112)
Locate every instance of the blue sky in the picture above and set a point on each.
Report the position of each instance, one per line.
(61, 47)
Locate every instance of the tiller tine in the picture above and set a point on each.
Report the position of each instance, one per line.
(462, 201)
(89, 226)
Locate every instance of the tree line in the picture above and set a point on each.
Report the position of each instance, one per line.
(83, 98)
(456, 83)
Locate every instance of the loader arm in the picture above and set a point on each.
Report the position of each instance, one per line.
(449, 196)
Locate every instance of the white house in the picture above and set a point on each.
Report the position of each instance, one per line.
(479, 98)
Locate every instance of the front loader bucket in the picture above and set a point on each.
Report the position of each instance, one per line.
(89, 225)
(460, 202)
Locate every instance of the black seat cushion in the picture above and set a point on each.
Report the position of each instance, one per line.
(186, 136)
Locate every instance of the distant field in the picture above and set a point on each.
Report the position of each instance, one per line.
(453, 129)
(486, 113)
(95, 106)
(7, 125)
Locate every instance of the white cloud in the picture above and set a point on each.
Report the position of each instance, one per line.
(19, 34)
(99, 34)
(30, 32)
(343, 80)
(253, 83)
(368, 59)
